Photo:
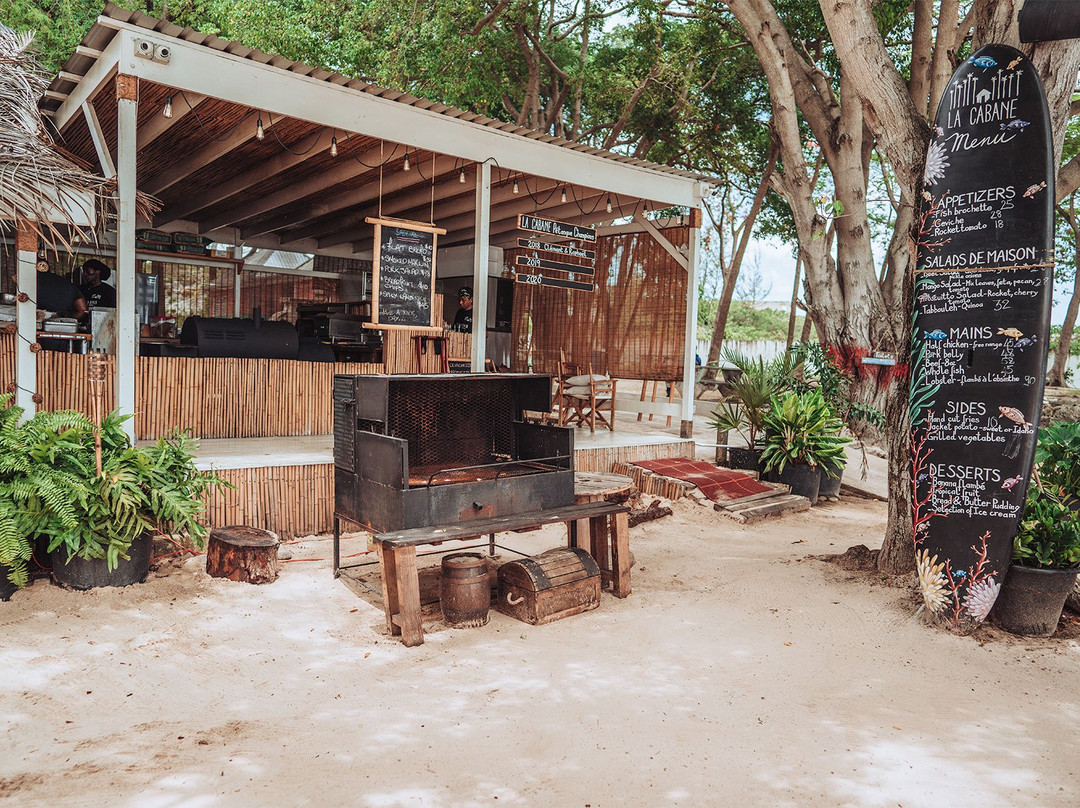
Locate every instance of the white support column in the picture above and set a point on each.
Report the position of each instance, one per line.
(26, 318)
(127, 327)
(480, 267)
(693, 258)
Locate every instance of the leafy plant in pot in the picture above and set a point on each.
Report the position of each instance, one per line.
(821, 370)
(801, 434)
(1046, 550)
(99, 526)
(752, 392)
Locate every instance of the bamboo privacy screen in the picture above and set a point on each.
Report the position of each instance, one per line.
(220, 397)
(632, 326)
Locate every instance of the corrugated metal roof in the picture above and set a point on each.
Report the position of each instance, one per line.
(101, 34)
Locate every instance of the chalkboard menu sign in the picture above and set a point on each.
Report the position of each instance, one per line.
(983, 292)
(403, 289)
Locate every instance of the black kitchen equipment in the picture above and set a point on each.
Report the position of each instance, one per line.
(411, 450)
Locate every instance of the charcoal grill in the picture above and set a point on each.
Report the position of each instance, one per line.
(412, 451)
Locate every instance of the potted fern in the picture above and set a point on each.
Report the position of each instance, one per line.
(752, 390)
(99, 527)
(1046, 550)
(802, 434)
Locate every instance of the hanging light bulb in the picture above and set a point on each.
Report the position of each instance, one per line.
(515, 185)
(564, 193)
(259, 135)
(461, 176)
(333, 146)
(609, 204)
(406, 161)
(167, 112)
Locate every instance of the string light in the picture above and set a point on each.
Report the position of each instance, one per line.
(333, 146)
(167, 112)
(515, 185)
(461, 176)
(406, 161)
(564, 193)
(609, 204)
(259, 135)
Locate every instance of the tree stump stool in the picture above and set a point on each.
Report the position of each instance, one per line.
(242, 553)
(593, 486)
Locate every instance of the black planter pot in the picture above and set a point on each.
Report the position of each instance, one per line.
(7, 588)
(1031, 600)
(745, 459)
(78, 573)
(830, 486)
(803, 479)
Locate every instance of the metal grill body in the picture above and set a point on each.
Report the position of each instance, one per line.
(412, 451)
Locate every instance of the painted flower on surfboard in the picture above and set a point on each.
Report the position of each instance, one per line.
(936, 163)
(980, 597)
(932, 581)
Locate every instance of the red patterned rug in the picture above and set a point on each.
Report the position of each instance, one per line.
(719, 485)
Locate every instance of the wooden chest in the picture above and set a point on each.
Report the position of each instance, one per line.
(555, 584)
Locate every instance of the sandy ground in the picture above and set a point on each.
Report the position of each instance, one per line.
(742, 671)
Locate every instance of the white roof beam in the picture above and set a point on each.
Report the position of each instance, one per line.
(218, 74)
(99, 73)
(108, 167)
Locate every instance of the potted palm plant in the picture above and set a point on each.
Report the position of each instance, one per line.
(801, 435)
(99, 525)
(1046, 551)
(752, 389)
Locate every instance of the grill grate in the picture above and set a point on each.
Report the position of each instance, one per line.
(453, 423)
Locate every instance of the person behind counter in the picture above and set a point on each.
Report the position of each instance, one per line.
(57, 294)
(463, 318)
(98, 295)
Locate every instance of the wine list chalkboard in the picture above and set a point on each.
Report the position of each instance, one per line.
(403, 288)
(983, 292)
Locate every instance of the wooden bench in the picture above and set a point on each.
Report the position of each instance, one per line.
(606, 524)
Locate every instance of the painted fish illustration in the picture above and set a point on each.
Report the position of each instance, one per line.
(1016, 124)
(938, 130)
(1033, 189)
(1026, 342)
(926, 196)
(1013, 415)
(1011, 483)
(1015, 333)
(985, 62)
(937, 334)
(1014, 63)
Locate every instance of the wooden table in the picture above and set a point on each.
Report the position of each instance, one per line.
(397, 554)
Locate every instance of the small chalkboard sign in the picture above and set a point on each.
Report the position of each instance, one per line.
(403, 288)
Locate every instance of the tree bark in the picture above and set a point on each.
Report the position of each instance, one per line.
(1056, 376)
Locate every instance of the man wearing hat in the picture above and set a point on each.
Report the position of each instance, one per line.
(98, 295)
(463, 318)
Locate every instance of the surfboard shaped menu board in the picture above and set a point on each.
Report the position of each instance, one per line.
(983, 293)
(403, 276)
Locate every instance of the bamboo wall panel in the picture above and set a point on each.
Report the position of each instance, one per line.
(603, 459)
(289, 500)
(221, 397)
(633, 325)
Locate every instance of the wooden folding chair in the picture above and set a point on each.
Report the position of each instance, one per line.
(583, 398)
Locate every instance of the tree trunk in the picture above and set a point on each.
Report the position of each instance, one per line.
(1056, 376)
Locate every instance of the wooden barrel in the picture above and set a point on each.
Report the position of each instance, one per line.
(464, 590)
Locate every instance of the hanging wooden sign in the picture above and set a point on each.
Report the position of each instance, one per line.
(551, 227)
(544, 280)
(532, 262)
(558, 249)
(983, 294)
(403, 277)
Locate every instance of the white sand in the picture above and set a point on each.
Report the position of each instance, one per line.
(739, 673)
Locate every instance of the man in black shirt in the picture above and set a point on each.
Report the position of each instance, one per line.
(98, 295)
(57, 294)
(463, 318)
